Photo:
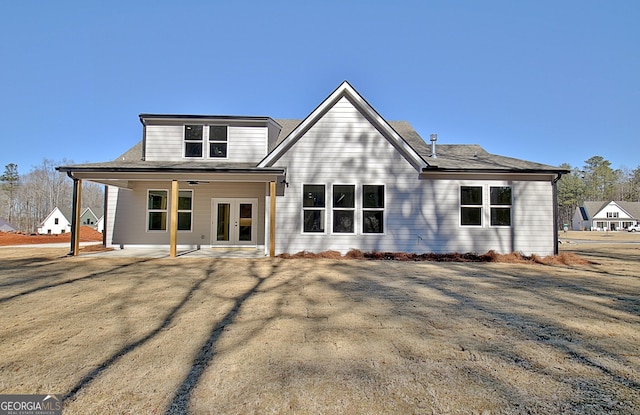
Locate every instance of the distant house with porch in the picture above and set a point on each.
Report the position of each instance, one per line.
(606, 216)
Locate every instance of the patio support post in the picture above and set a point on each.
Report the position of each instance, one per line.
(173, 231)
(272, 219)
(75, 217)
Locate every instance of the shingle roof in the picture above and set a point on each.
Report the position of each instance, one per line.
(449, 156)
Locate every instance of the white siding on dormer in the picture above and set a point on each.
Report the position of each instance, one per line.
(245, 145)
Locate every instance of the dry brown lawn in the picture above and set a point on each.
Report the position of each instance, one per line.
(242, 336)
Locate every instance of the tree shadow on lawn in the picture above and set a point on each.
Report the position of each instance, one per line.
(472, 295)
(468, 294)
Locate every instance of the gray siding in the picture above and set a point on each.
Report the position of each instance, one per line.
(420, 215)
(246, 144)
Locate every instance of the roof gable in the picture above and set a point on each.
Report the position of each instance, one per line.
(345, 90)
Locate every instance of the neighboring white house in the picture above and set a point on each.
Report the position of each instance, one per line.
(6, 226)
(100, 224)
(343, 178)
(55, 223)
(606, 216)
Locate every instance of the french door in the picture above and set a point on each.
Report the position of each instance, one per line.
(234, 222)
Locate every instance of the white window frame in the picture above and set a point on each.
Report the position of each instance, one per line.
(186, 210)
(149, 211)
(353, 209)
(382, 209)
(480, 206)
(210, 141)
(202, 141)
(322, 209)
(509, 206)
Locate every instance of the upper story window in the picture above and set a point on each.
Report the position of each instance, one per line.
(193, 140)
(196, 135)
(612, 214)
(218, 141)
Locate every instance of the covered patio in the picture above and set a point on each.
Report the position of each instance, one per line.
(127, 175)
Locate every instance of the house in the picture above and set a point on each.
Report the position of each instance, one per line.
(6, 226)
(606, 216)
(342, 178)
(90, 218)
(55, 223)
(100, 224)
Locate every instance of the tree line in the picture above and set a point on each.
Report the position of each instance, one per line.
(595, 181)
(27, 199)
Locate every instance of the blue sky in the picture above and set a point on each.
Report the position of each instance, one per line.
(547, 81)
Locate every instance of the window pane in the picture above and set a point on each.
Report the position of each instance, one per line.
(193, 149)
(471, 195)
(313, 195)
(372, 221)
(314, 220)
(344, 196)
(217, 149)
(193, 132)
(471, 216)
(157, 221)
(343, 221)
(500, 195)
(184, 221)
(373, 196)
(184, 200)
(218, 133)
(500, 216)
(157, 199)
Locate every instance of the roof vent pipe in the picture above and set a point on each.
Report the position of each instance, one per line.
(434, 138)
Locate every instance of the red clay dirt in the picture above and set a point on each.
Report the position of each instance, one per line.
(87, 234)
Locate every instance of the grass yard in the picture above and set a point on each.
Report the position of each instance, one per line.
(242, 336)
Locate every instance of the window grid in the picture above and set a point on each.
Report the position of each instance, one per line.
(313, 208)
(344, 208)
(157, 210)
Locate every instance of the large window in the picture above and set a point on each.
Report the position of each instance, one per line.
(372, 208)
(500, 201)
(193, 140)
(218, 141)
(313, 207)
(344, 207)
(471, 205)
(157, 210)
(185, 209)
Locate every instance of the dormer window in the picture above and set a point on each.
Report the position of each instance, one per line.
(196, 135)
(193, 140)
(218, 141)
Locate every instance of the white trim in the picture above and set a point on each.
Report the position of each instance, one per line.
(147, 211)
(234, 240)
(321, 209)
(346, 90)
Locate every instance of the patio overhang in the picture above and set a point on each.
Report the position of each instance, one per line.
(124, 176)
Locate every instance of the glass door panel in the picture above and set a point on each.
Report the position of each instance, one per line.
(223, 221)
(245, 228)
